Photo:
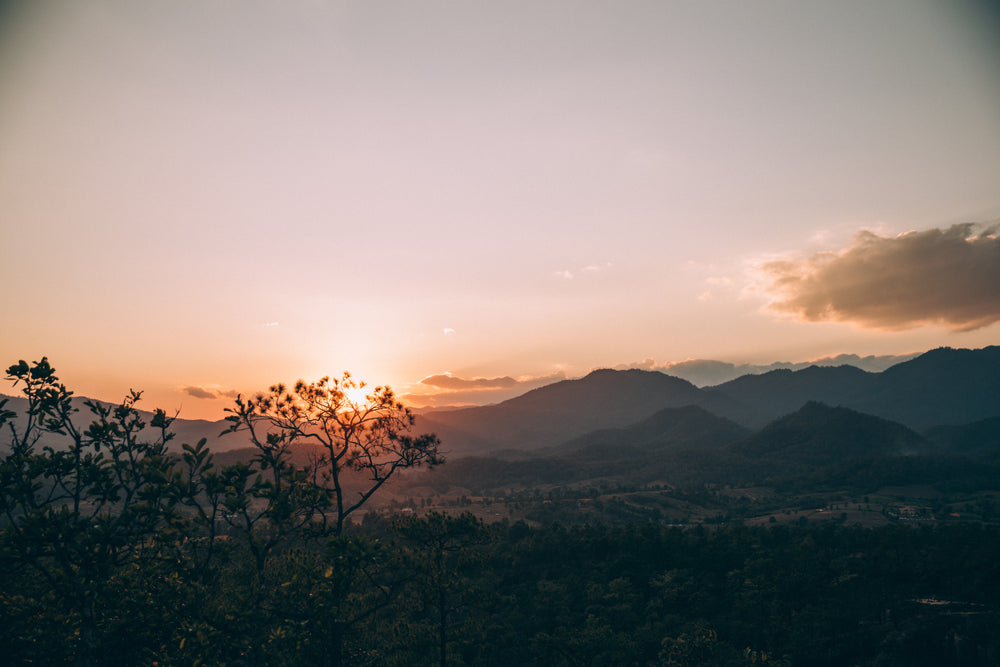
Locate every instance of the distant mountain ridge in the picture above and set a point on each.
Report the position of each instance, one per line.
(934, 419)
(670, 429)
(708, 372)
(944, 388)
(817, 447)
(941, 387)
(188, 431)
(557, 412)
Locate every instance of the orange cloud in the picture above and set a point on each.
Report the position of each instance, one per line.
(449, 381)
(948, 277)
(208, 393)
(446, 389)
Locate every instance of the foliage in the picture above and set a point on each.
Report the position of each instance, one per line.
(77, 516)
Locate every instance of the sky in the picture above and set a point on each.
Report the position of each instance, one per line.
(467, 199)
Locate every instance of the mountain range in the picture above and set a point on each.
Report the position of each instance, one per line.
(934, 419)
(941, 387)
(708, 372)
(646, 425)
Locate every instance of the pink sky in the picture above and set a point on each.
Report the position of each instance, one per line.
(201, 198)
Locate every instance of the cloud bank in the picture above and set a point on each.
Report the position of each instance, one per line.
(709, 372)
(946, 277)
(449, 381)
(445, 389)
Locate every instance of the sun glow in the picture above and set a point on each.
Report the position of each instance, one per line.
(357, 395)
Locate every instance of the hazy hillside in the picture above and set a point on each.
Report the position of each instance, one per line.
(561, 411)
(815, 447)
(940, 387)
(670, 429)
(763, 398)
(981, 437)
(707, 372)
(943, 386)
(185, 430)
(818, 434)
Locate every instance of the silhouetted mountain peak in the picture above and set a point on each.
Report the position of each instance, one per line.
(555, 413)
(686, 427)
(947, 362)
(943, 386)
(687, 417)
(817, 433)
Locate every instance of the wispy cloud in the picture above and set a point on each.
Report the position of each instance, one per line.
(715, 285)
(596, 268)
(947, 277)
(570, 274)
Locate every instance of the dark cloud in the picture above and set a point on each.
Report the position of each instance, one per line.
(949, 277)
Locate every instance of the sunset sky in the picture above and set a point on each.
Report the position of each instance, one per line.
(467, 199)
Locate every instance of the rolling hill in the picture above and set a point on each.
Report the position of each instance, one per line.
(188, 431)
(669, 430)
(817, 434)
(943, 386)
(558, 412)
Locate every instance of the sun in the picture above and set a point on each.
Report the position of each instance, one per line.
(357, 395)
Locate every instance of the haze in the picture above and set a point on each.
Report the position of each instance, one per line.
(465, 200)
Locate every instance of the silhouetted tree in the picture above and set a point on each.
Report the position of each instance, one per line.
(87, 502)
(367, 436)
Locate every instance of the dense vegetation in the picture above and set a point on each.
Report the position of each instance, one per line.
(115, 551)
(439, 590)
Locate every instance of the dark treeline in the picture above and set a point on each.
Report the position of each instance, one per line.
(115, 551)
(451, 590)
